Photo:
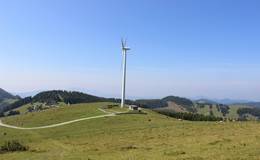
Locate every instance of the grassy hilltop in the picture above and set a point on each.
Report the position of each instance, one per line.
(128, 136)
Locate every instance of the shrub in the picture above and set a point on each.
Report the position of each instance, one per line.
(2, 114)
(11, 113)
(12, 146)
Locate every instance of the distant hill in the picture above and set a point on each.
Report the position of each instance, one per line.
(184, 102)
(227, 101)
(5, 95)
(56, 96)
(6, 99)
(28, 94)
(250, 104)
(230, 101)
(73, 97)
(205, 101)
(66, 96)
(173, 104)
(179, 102)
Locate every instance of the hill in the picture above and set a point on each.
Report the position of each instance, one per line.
(250, 104)
(167, 105)
(205, 101)
(164, 102)
(228, 101)
(6, 99)
(128, 136)
(5, 95)
(66, 97)
(173, 105)
(56, 96)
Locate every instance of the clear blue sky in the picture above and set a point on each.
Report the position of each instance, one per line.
(188, 48)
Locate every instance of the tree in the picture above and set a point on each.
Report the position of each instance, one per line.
(30, 109)
(2, 114)
(11, 113)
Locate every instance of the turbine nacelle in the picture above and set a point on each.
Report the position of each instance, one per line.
(124, 47)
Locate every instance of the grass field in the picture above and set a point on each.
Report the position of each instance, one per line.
(232, 111)
(55, 115)
(206, 111)
(130, 137)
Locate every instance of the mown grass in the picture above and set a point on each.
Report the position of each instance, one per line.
(138, 136)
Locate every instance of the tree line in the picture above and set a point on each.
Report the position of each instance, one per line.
(253, 111)
(189, 116)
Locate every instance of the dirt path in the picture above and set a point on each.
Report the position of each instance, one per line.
(109, 114)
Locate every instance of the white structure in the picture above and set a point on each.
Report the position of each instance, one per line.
(124, 51)
(133, 107)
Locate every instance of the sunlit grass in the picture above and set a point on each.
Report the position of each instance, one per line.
(136, 136)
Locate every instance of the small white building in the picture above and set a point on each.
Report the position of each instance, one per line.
(134, 107)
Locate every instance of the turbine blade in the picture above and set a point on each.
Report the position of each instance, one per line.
(122, 43)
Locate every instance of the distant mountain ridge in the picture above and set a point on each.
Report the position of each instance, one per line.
(6, 99)
(226, 101)
(173, 104)
(6, 95)
(205, 101)
(231, 101)
(250, 104)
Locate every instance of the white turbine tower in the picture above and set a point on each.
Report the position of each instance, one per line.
(124, 51)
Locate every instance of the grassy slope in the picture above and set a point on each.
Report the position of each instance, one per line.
(172, 106)
(23, 109)
(55, 115)
(232, 111)
(7, 102)
(205, 110)
(150, 136)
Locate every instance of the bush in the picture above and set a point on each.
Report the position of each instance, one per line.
(30, 109)
(12, 146)
(12, 113)
(2, 114)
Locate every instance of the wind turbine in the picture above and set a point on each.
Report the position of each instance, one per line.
(124, 52)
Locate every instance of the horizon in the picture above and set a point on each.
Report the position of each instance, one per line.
(182, 48)
(33, 93)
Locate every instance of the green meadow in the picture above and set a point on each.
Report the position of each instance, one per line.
(128, 137)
